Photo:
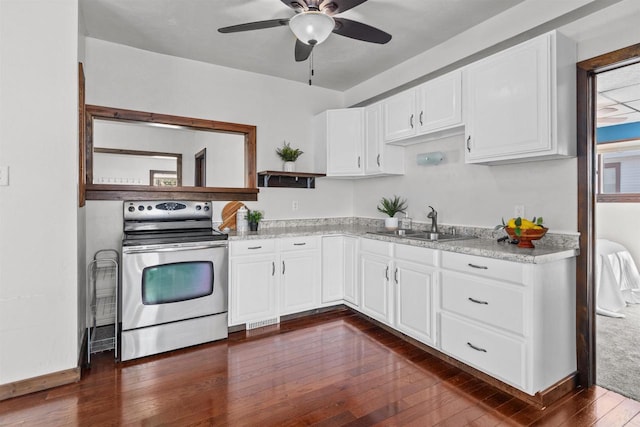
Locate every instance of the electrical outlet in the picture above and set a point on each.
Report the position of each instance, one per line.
(294, 205)
(4, 175)
(518, 211)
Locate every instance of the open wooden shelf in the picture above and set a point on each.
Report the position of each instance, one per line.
(288, 179)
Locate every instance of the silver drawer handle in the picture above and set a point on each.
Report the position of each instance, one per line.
(482, 267)
(476, 348)
(477, 301)
(254, 247)
(299, 244)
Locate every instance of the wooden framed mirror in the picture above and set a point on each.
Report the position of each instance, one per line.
(179, 147)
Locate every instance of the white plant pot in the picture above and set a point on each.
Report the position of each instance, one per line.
(391, 223)
(289, 166)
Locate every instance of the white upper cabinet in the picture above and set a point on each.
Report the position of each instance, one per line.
(350, 144)
(380, 158)
(399, 112)
(440, 103)
(519, 104)
(424, 112)
(341, 133)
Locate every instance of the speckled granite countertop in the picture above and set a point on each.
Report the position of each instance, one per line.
(480, 246)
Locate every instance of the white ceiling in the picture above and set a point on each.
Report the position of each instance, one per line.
(619, 96)
(188, 29)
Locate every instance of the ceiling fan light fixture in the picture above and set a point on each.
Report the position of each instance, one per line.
(312, 27)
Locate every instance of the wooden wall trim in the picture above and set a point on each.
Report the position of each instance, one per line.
(585, 289)
(82, 177)
(43, 382)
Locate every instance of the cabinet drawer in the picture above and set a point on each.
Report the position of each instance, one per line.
(251, 247)
(495, 354)
(299, 243)
(424, 256)
(376, 247)
(494, 303)
(484, 267)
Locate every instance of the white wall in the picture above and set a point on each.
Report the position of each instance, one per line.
(124, 77)
(39, 302)
(618, 222)
(475, 195)
(482, 195)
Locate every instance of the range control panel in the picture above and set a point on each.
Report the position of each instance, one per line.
(166, 210)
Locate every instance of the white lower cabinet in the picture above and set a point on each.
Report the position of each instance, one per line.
(272, 277)
(376, 288)
(339, 270)
(398, 285)
(252, 281)
(513, 321)
(414, 300)
(300, 274)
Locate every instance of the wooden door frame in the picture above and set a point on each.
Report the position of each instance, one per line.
(585, 289)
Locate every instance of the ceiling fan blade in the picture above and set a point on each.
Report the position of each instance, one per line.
(359, 31)
(298, 6)
(302, 51)
(333, 7)
(259, 25)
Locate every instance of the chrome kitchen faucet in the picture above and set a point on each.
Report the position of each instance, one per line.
(433, 215)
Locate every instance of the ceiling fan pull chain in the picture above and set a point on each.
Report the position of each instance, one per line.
(310, 67)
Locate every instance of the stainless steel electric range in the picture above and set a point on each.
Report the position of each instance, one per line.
(174, 277)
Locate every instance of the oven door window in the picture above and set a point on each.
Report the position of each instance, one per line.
(180, 281)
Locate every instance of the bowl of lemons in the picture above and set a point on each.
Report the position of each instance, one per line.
(524, 230)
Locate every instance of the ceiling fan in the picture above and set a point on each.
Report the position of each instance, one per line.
(314, 21)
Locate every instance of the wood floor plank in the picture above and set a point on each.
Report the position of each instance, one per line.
(330, 369)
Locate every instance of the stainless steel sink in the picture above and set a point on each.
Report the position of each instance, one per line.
(422, 235)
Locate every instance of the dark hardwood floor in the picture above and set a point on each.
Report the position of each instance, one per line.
(327, 370)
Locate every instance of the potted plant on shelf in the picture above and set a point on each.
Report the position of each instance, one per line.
(254, 217)
(289, 156)
(390, 207)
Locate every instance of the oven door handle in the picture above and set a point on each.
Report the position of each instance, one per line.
(174, 248)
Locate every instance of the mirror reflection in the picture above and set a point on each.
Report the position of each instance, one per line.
(141, 153)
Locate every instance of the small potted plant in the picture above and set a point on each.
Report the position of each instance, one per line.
(391, 207)
(254, 217)
(289, 156)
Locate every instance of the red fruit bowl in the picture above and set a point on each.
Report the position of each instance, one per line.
(526, 236)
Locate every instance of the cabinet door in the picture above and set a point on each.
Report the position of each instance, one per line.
(440, 103)
(299, 281)
(414, 300)
(351, 293)
(373, 140)
(345, 142)
(333, 268)
(399, 116)
(508, 109)
(380, 158)
(252, 289)
(375, 273)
